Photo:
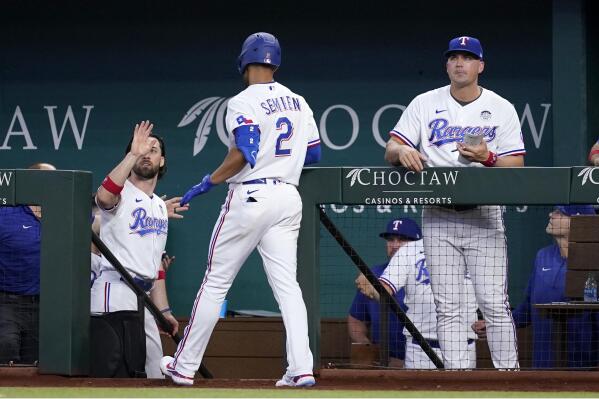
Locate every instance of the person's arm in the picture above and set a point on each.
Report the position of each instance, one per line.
(160, 299)
(480, 153)
(231, 165)
(398, 153)
(402, 146)
(358, 330)
(594, 155)
(313, 152)
(522, 313)
(108, 194)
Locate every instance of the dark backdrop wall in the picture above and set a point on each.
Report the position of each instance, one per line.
(75, 78)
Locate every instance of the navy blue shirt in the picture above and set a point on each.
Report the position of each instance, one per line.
(368, 310)
(546, 285)
(19, 250)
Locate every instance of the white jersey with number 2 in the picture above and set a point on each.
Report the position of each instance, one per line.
(287, 129)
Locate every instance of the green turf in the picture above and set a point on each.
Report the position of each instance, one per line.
(7, 392)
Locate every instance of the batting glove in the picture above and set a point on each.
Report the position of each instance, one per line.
(203, 187)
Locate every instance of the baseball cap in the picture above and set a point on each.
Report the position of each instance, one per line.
(573, 210)
(402, 227)
(466, 44)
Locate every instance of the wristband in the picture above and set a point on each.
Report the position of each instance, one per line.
(594, 152)
(491, 160)
(165, 310)
(111, 186)
(161, 275)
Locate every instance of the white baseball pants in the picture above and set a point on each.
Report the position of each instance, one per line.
(474, 239)
(417, 359)
(266, 216)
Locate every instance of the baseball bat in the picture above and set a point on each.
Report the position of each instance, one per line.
(162, 321)
(372, 279)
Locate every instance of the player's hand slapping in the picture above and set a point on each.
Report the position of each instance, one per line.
(174, 207)
(474, 153)
(411, 158)
(142, 142)
(202, 187)
(166, 261)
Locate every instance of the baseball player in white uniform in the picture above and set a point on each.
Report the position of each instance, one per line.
(134, 225)
(272, 136)
(431, 132)
(407, 268)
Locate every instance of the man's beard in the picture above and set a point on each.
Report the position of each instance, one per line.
(145, 171)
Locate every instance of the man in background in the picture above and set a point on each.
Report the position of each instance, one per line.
(547, 284)
(20, 241)
(363, 321)
(407, 270)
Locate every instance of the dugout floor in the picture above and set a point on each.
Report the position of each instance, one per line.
(545, 381)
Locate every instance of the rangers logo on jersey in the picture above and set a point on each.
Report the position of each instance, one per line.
(441, 132)
(422, 275)
(144, 225)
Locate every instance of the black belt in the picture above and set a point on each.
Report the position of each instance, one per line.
(264, 180)
(435, 343)
(145, 285)
(459, 208)
(20, 297)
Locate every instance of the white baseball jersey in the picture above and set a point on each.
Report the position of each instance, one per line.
(135, 231)
(435, 121)
(407, 268)
(287, 129)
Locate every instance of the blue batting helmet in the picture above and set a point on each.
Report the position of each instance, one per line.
(260, 48)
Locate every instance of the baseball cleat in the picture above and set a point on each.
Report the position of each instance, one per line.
(304, 380)
(169, 371)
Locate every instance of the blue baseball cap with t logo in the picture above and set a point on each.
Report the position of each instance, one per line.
(402, 227)
(574, 210)
(465, 44)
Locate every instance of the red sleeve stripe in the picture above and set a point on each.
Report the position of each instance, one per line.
(403, 138)
(520, 151)
(313, 143)
(384, 280)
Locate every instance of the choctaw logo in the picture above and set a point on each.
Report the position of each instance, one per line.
(212, 108)
(366, 177)
(587, 175)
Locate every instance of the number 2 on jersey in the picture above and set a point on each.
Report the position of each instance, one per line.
(283, 124)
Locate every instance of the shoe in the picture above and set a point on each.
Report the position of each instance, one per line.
(169, 371)
(304, 380)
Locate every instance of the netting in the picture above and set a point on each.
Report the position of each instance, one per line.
(486, 287)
